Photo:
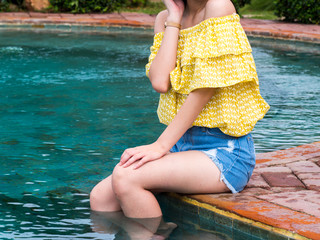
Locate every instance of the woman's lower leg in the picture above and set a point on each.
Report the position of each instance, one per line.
(140, 203)
(134, 199)
(102, 197)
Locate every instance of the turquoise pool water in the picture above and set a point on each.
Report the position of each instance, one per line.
(71, 102)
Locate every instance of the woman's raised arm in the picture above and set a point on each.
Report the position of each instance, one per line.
(165, 60)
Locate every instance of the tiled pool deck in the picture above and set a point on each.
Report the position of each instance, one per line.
(283, 195)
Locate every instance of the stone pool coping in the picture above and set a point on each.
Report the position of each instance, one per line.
(253, 27)
(283, 195)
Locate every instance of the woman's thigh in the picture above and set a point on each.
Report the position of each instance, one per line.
(182, 172)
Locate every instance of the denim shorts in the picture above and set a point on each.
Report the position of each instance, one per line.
(234, 156)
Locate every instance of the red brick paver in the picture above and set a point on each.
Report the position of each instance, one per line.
(304, 167)
(284, 192)
(281, 180)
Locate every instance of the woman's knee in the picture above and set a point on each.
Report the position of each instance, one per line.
(100, 193)
(95, 197)
(122, 181)
(102, 197)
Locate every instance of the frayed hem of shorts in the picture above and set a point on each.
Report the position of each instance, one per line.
(222, 177)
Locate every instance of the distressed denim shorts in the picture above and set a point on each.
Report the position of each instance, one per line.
(234, 156)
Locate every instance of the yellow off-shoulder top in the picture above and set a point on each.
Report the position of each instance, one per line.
(214, 54)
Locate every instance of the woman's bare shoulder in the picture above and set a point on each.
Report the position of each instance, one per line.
(160, 20)
(219, 8)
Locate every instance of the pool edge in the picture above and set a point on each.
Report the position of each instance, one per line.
(253, 27)
(233, 216)
(261, 203)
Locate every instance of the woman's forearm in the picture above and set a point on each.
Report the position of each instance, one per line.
(165, 61)
(187, 114)
(189, 111)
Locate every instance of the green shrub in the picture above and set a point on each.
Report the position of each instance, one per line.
(237, 3)
(4, 6)
(304, 11)
(18, 3)
(151, 8)
(102, 6)
(85, 6)
(88, 6)
(260, 5)
(135, 3)
(240, 3)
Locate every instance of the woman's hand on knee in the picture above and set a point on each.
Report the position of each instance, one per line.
(141, 155)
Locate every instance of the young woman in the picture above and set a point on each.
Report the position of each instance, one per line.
(201, 63)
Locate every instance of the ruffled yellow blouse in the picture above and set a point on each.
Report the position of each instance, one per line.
(214, 54)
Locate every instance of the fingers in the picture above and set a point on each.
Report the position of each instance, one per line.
(131, 156)
(140, 155)
(133, 159)
(142, 162)
(126, 155)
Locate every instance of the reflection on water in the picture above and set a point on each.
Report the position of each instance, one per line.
(156, 228)
(135, 229)
(72, 102)
(65, 214)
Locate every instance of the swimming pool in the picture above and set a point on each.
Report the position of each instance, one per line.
(71, 102)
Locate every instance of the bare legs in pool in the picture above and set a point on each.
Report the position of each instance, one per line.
(131, 190)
